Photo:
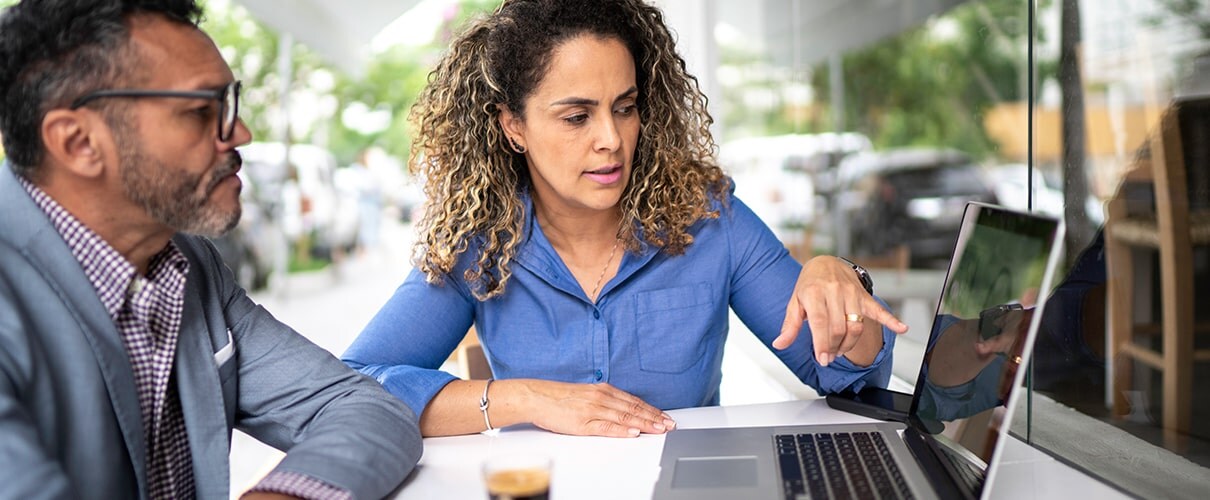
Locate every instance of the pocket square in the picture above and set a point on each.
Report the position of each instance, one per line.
(226, 352)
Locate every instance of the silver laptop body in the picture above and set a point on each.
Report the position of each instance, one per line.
(1001, 269)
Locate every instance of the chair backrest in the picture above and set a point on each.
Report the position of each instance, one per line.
(1192, 117)
(473, 362)
(1180, 167)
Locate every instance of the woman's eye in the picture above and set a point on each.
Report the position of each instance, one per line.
(204, 111)
(576, 119)
(626, 110)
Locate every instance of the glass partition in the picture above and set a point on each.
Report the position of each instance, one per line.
(889, 116)
(1122, 115)
(862, 129)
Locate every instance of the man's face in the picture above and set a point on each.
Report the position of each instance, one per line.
(170, 159)
(179, 198)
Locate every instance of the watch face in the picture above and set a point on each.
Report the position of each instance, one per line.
(862, 275)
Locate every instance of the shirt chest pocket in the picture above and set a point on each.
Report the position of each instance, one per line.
(673, 327)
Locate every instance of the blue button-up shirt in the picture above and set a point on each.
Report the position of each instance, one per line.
(657, 330)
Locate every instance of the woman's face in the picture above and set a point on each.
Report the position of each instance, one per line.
(581, 126)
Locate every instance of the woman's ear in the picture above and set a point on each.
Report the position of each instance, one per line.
(72, 141)
(513, 128)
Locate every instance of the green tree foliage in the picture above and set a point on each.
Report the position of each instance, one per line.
(252, 50)
(391, 83)
(759, 97)
(1195, 13)
(932, 85)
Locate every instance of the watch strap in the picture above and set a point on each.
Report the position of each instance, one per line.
(862, 275)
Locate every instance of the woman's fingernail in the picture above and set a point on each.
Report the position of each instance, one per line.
(658, 427)
(633, 432)
(669, 423)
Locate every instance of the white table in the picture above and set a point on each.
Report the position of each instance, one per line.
(618, 468)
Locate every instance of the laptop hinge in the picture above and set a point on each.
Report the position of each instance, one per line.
(937, 469)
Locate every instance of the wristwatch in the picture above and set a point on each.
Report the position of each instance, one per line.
(862, 275)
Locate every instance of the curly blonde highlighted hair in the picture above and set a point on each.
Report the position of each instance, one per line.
(474, 181)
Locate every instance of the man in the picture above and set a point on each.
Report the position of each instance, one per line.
(127, 351)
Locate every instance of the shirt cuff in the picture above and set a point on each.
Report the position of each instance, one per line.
(301, 486)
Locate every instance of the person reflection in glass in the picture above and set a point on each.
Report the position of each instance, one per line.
(975, 350)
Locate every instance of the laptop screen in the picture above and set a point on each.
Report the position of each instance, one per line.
(979, 338)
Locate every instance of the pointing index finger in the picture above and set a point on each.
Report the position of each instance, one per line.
(873, 310)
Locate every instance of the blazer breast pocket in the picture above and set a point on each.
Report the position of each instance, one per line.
(225, 360)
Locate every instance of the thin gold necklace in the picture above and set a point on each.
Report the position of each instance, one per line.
(593, 296)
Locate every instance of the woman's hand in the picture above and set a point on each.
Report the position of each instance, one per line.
(592, 410)
(826, 293)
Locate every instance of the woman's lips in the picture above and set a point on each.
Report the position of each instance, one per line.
(606, 176)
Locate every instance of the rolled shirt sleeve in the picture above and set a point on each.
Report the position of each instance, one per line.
(407, 341)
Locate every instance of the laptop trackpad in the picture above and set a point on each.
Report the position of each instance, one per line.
(714, 472)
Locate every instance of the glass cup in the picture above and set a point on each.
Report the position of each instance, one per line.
(517, 477)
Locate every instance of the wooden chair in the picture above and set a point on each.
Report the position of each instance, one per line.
(898, 258)
(1171, 228)
(472, 362)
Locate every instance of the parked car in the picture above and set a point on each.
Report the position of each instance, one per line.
(778, 177)
(311, 203)
(1010, 182)
(256, 248)
(912, 197)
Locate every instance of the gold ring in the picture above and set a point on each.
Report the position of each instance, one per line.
(854, 317)
(1015, 359)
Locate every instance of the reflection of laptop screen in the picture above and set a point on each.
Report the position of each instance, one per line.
(987, 317)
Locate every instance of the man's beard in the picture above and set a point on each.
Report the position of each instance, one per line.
(174, 198)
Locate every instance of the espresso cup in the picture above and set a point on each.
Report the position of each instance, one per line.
(517, 477)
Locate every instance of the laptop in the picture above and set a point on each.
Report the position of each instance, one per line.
(987, 317)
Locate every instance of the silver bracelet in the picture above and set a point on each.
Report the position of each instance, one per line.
(483, 404)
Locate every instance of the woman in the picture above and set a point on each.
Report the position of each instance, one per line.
(577, 218)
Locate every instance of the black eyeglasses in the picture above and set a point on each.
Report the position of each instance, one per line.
(227, 97)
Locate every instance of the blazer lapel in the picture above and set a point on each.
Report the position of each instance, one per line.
(45, 249)
(201, 394)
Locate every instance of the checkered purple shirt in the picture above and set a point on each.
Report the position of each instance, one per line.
(147, 313)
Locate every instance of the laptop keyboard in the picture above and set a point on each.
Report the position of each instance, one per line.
(970, 475)
(838, 465)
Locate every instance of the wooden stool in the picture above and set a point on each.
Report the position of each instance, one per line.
(1172, 230)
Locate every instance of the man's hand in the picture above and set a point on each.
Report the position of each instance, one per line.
(826, 293)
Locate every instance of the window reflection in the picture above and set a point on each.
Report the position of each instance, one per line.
(1119, 96)
(1122, 344)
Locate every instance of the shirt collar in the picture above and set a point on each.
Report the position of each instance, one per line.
(536, 254)
(108, 271)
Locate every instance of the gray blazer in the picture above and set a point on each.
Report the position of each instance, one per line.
(70, 425)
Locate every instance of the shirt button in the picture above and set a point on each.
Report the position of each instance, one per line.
(596, 314)
(599, 375)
